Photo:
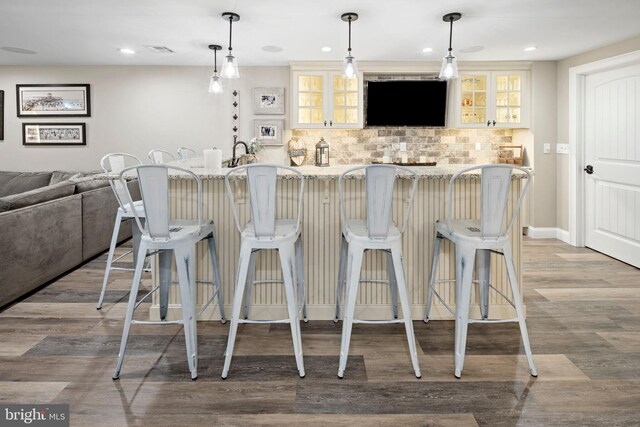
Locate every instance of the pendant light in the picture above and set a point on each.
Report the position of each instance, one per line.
(449, 68)
(230, 66)
(215, 84)
(350, 68)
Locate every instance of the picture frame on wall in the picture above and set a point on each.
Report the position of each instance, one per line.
(1, 115)
(268, 100)
(54, 134)
(269, 131)
(53, 100)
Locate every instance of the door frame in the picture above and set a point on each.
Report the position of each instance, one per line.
(577, 109)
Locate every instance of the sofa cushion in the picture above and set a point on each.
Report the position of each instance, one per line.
(36, 196)
(88, 184)
(19, 182)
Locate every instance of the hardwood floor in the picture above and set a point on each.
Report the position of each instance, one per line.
(584, 322)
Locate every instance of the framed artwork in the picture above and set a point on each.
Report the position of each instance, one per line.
(269, 131)
(268, 100)
(53, 100)
(1, 115)
(54, 134)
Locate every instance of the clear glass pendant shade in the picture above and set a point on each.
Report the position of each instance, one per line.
(350, 67)
(215, 84)
(449, 68)
(230, 67)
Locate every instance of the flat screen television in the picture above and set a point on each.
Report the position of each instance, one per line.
(406, 103)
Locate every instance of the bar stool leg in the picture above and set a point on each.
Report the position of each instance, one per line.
(465, 258)
(483, 257)
(344, 248)
(213, 254)
(112, 248)
(435, 259)
(130, 308)
(393, 285)
(238, 298)
(302, 289)
(183, 262)
(354, 264)
(396, 253)
(287, 253)
(248, 291)
(165, 258)
(517, 301)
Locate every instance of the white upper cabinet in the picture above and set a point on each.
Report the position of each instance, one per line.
(326, 99)
(497, 99)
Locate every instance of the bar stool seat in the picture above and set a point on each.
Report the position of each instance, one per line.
(464, 230)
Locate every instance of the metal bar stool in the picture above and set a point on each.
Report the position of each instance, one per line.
(186, 153)
(474, 241)
(161, 157)
(265, 231)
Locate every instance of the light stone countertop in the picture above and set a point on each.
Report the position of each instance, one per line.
(321, 173)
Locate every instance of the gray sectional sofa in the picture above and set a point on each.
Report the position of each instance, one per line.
(51, 222)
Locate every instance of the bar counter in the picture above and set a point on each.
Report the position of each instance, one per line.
(321, 235)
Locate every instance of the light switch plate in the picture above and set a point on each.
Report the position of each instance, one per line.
(562, 148)
(403, 146)
(547, 148)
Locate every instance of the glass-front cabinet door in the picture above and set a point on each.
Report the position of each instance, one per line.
(326, 99)
(309, 88)
(493, 99)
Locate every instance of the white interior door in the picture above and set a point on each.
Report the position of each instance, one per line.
(612, 149)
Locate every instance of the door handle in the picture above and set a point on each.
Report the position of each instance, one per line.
(589, 169)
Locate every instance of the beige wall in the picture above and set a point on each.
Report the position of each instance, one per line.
(135, 109)
(563, 115)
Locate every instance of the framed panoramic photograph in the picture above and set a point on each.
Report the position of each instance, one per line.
(269, 131)
(268, 100)
(54, 134)
(53, 100)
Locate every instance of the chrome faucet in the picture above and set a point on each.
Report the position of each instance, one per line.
(234, 160)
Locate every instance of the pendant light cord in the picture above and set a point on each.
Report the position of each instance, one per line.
(231, 31)
(349, 35)
(215, 61)
(450, 34)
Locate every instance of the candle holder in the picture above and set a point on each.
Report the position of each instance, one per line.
(322, 153)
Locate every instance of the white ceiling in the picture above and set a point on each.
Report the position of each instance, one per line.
(89, 32)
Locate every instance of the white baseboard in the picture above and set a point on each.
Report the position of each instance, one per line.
(548, 233)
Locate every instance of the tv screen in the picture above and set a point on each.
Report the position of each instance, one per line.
(406, 103)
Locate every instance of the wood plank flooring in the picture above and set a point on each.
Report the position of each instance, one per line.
(584, 322)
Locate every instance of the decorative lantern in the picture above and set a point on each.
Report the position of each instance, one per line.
(322, 153)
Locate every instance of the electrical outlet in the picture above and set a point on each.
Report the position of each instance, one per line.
(403, 146)
(478, 146)
(547, 148)
(562, 148)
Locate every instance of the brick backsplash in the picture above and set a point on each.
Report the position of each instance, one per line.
(444, 146)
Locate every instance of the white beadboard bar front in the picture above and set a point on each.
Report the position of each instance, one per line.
(321, 234)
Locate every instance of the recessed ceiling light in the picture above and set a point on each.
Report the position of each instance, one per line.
(126, 51)
(471, 49)
(427, 49)
(271, 48)
(18, 50)
(326, 49)
(530, 48)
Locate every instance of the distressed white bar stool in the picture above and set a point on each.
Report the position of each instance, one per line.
(479, 238)
(376, 232)
(186, 153)
(161, 157)
(265, 231)
(171, 236)
(113, 164)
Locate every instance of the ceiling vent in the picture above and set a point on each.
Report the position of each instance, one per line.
(159, 49)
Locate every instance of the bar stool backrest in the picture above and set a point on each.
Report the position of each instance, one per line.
(379, 190)
(186, 153)
(262, 189)
(154, 189)
(113, 164)
(160, 157)
(494, 196)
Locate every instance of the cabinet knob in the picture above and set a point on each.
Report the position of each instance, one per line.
(488, 122)
(330, 122)
(494, 122)
(325, 123)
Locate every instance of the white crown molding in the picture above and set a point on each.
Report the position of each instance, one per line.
(411, 67)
